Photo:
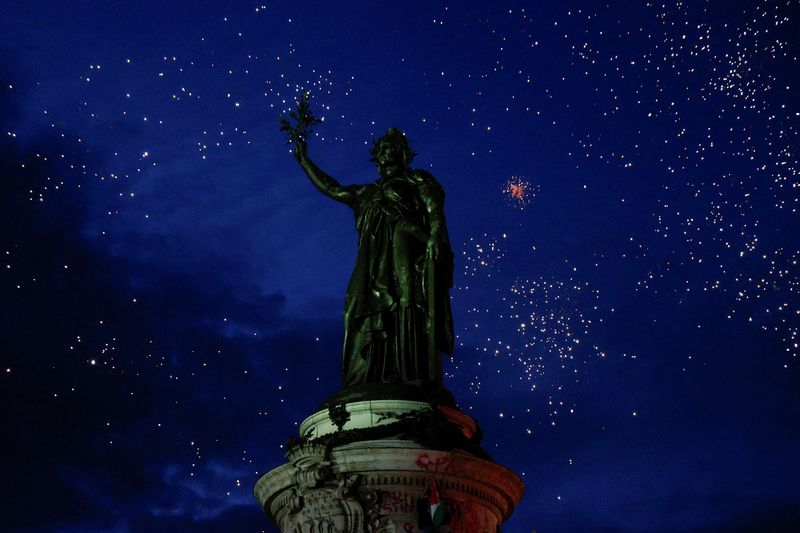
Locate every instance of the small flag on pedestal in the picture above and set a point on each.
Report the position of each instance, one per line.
(432, 511)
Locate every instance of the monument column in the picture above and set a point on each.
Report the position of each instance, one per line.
(390, 452)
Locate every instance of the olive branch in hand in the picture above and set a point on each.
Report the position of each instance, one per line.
(304, 122)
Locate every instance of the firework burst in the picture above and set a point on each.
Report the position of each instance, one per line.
(519, 192)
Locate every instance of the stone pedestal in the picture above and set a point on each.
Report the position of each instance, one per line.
(364, 466)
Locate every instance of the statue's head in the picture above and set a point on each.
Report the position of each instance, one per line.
(392, 153)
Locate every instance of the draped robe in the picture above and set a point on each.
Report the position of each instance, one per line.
(394, 332)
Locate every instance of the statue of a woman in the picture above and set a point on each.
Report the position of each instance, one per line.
(397, 317)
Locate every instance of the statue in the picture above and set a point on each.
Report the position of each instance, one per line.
(374, 455)
(397, 316)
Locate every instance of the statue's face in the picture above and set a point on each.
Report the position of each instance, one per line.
(390, 161)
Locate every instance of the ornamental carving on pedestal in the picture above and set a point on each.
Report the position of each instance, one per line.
(327, 501)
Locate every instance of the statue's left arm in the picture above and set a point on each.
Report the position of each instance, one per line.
(438, 273)
(433, 197)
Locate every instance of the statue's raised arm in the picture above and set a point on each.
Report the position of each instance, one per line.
(321, 180)
(299, 125)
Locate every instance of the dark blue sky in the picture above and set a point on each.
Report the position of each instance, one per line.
(172, 285)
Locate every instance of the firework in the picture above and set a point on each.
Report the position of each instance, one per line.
(519, 192)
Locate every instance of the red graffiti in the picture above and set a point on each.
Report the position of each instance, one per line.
(467, 517)
(439, 464)
(393, 501)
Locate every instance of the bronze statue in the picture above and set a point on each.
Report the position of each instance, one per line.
(397, 316)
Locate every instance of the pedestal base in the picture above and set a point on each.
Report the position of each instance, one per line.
(339, 480)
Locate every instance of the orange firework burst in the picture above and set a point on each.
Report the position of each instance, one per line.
(518, 191)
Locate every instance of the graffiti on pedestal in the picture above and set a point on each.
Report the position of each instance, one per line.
(395, 501)
(435, 465)
(468, 517)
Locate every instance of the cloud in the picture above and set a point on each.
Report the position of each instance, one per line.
(203, 497)
(113, 400)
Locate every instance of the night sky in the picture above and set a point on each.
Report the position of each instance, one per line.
(623, 188)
